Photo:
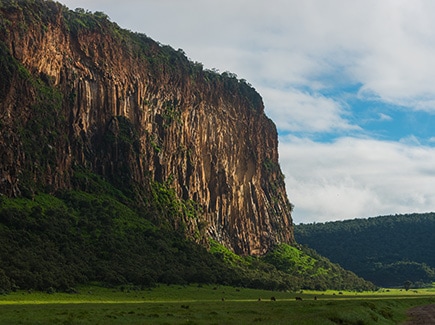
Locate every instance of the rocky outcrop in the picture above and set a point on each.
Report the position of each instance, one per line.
(80, 92)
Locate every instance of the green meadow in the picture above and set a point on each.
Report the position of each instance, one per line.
(209, 305)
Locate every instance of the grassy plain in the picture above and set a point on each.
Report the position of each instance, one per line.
(209, 305)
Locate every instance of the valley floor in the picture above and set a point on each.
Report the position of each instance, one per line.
(197, 304)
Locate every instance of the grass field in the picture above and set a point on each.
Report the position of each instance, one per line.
(209, 305)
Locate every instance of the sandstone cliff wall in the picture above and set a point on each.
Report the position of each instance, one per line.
(134, 111)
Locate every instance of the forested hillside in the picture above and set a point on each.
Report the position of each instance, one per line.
(387, 250)
(55, 242)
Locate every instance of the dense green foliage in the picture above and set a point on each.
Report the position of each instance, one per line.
(386, 250)
(76, 236)
(316, 271)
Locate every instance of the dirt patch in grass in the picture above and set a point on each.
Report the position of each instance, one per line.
(421, 315)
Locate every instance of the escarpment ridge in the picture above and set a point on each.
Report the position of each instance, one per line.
(78, 93)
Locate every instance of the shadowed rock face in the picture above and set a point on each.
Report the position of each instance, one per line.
(79, 92)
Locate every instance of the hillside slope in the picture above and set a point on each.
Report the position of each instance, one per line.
(387, 250)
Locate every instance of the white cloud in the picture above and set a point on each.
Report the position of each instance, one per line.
(411, 140)
(297, 111)
(384, 117)
(356, 178)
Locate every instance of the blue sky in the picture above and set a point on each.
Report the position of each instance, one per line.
(349, 84)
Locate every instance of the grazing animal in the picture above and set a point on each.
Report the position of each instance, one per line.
(272, 298)
(298, 298)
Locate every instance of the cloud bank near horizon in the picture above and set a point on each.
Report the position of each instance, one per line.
(348, 83)
(357, 177)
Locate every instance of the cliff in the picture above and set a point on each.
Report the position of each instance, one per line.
(77, 93)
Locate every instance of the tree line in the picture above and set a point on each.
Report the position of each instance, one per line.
(387, 250)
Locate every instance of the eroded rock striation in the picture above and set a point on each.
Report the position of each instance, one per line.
(78, 92)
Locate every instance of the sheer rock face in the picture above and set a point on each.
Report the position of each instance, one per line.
(134, 112)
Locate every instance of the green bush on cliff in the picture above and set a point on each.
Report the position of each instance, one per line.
(292, 260)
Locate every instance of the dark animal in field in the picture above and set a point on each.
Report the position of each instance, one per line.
(298, 298)
(272, 298)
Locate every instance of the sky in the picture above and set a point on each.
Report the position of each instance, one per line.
(350, 86)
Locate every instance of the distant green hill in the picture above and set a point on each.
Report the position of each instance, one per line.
(387, 250)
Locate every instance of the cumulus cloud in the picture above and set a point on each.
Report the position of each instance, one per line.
(297, 111)
(352, 178)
